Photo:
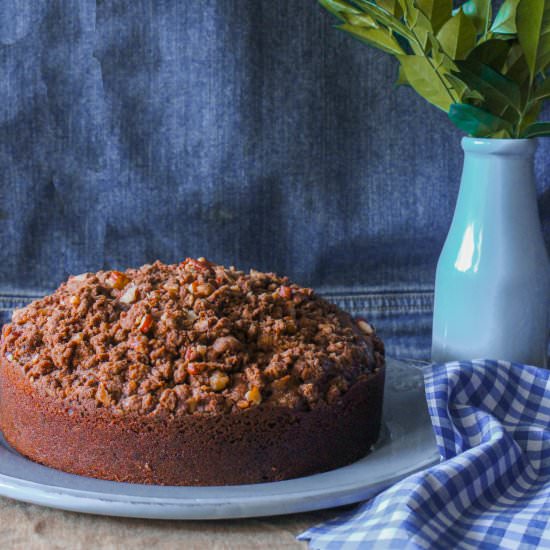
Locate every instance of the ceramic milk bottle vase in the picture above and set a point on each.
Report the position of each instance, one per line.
(492, 286)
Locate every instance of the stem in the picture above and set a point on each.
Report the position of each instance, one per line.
(487, 21)
(526, 107)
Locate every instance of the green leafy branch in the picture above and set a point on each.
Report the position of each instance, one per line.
(490, 74)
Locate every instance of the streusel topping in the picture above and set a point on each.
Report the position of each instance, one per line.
(194, 337)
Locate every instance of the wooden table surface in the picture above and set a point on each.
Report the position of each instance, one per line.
(28, 527)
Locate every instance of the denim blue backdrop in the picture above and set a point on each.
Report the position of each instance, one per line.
(248, 132)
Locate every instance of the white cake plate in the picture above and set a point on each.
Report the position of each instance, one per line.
(407, 445)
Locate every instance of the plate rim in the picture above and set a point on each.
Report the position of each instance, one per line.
(172, 506)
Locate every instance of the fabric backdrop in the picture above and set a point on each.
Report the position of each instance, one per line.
(251, 133)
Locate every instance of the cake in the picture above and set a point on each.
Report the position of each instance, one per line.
(189, 374)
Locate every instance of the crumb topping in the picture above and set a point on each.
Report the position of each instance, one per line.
(189, 338)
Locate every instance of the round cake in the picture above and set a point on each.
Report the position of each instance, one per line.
(189, 374)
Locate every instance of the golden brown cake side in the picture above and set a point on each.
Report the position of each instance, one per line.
(258, 444)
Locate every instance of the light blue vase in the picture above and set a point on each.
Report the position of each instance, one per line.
(492, 287)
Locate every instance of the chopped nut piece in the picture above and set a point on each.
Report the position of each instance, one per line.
(19, 316)
(242, 404)
(196, 368)
(200, 289)
(117, 279)
(172, 288)
(130, 295)
(226, 343)
(102, 395)
(191, 315)
(254, 395)
(76, 281)
(146, 323)
(200, 265)
(202, 325)
(218, 380)
(365, 327)
(74, 300)
(285, 292)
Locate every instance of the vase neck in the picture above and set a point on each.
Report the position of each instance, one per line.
(496, 167)
(508, 148)
(498, 189)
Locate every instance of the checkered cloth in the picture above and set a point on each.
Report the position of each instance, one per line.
(492, 489)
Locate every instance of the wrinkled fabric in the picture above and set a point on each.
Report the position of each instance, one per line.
(252, 133)
(492, 427)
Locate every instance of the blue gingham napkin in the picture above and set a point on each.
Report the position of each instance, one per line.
(491, 490)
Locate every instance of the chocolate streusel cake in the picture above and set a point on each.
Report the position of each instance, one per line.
(189, 374)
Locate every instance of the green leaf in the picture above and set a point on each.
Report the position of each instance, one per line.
(538, 129)
(462, 90)
(531, 116)
(338, 8)
(408, 8)
(516, 66)
(437, 11)
(391, 6)
(499, 91)
(533, 24)
(379, 38)
(419, 25)
(473, 96)
(475, 121)
(382, 17)
(542, 91)
(480, 12)
(401, 78)
(460, 87)
(491, 52)
(423, 77)
(502, 134)
(457, 36)
(440, 57)
(422, 28)
(505, 20)
(361, 20)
